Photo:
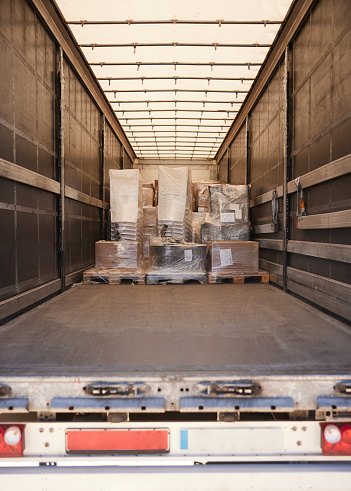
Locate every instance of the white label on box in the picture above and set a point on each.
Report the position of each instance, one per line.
(188, 255)
(234, 207)
(226, 257)
(227, 217)
(239, 215)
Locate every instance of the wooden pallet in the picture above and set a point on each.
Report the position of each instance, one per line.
(111, 276)
(176, 278)
(236, 278)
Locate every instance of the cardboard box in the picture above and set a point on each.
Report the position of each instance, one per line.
(124, 256)
(233, 257)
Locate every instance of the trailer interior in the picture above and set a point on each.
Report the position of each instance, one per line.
(254, 93)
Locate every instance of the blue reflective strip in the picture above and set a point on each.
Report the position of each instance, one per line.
(184, 439)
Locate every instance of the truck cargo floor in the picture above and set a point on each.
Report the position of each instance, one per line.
(250, 329)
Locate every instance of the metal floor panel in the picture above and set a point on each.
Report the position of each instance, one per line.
(242, 330)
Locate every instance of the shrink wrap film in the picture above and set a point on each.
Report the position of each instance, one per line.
(174, 202)
(229, 203)
(148, 196)
(150, 227)
(213, 230)
(229, 214)
(238, 257)
(198, 218)
(173, 255)
(202, 195)
(122, 256)
(126, 209)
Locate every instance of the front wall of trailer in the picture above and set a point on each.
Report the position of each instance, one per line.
(30, 115)
(319, 101)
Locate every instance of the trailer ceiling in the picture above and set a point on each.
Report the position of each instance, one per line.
(175, 72)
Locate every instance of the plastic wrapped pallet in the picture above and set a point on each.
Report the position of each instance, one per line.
(202, 195)
(214, 230)
(198, 218)
(229, 214)
(174, 202)
(172, 254)
(234, 257)
(148, 195)
(229, 203)
(123, 256)
(150, 227)
(126, 209)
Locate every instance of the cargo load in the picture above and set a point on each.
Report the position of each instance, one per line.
(172, 254)
(174, 202)
(150, 227)
(237, 257)
(228, 218)
(124, 256)
(126, 209)
(148, 194)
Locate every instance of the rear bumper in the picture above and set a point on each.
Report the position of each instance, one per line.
(262, 477)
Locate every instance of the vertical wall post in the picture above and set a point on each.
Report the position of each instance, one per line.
(122, 157)
(102, 177)
(286, 167)
(61, 171)
(228, 164)
(247, 147)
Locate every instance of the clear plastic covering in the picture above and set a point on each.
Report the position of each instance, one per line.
(235, 257)
(122, 256)
(229, 203)
(174, 202)
(148, 195)
(213, 230)
(126, 205)
(173, 255)
(202, 195)
(229, 214)
(198, 218)
(150, 227)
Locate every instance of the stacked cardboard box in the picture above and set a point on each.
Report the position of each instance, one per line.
(122, 256)
(126, 211)
(234, 257)
(150, 227)
(174, 202)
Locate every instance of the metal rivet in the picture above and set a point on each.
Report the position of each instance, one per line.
(304, 428)
(299, 443)
(294, 428)
(51, 430)
(41, 430)
(47, 444)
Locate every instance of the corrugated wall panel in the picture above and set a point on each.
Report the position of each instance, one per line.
(321, 102)
(238, 158)
(319, 116)
(27, 138)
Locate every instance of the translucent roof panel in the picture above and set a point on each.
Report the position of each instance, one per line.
(175, 72)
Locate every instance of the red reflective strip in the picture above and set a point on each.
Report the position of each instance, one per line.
(117, 440)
